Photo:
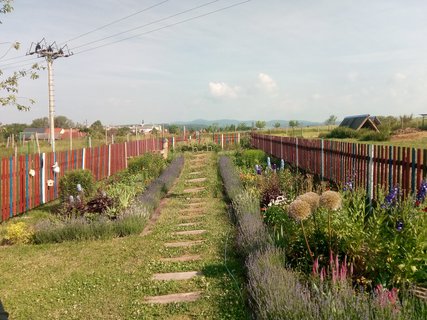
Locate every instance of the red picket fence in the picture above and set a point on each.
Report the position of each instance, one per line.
(24, 179)
(226, 139)
(368, 166)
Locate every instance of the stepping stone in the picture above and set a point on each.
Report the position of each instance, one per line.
(174, 298)
(196, 204)
(195, 216)
(196, 172)
(183, 244)
(176, 276)
(182, 258)
(196, 180)
(188, 224)
(189, 232)
(194, 190)
(190, 210)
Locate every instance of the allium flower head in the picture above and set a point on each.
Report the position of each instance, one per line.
(422, 193)
(311, 198)
(330, 200)
(299, 210)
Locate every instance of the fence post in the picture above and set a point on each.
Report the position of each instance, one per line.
(281, 147)
(271, 144)
(43, 177)
(222, 141)
(173, 143)
(413, 177)
(126, 155)
(296, 152)
(83, 158)
(238, 138)
(109, 159)
(370, 184)
(322, 159)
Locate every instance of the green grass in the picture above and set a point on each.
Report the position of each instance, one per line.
(108, 279)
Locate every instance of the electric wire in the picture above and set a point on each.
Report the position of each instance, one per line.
(8, 65)
(147, 24)
(166, 26)
(116, 21)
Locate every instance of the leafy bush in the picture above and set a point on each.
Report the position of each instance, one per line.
(18, 233)
(270, 189)
(151, 164)
(249, 158)
(369, 135)
(342, 133)
(68, 184)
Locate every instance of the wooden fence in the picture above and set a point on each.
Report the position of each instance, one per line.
(369, 166)
(28, 181)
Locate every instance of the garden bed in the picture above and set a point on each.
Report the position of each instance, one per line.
(120, 206)
(341, 260)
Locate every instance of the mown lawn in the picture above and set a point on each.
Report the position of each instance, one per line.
(109, 279)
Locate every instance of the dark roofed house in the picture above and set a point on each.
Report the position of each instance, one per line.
(42, 133)
(363, 121)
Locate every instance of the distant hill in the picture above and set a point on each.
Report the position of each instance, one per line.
(202, 123)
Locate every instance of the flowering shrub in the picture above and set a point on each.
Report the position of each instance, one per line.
(18, 232)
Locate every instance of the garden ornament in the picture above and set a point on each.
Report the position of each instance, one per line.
(32, 172)
(50, 183)
(282, 164)
(79, 187)
(268, 162)
(56, 168)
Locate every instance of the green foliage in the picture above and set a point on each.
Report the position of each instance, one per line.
(331, 120)
(68, 184)
(342, 133)
(294, 123)
(260, 124)
(369, 135)
(249, 158)
(150, 164)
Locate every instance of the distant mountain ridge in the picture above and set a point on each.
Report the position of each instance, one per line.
(227, 122)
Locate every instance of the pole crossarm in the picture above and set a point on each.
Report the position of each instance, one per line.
(50, 52)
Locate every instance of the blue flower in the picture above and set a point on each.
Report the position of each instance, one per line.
(422, 192)
(392, 198)
(399, 225)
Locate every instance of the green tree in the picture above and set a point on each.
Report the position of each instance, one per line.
(173, 129)
(331, 120)
(123, 131)
(277, 125)
(293, 123)
(243, 127)
(64, 122)
(260, 124)
(40, 123)
(9, 82)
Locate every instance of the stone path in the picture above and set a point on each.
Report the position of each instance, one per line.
(193, 210)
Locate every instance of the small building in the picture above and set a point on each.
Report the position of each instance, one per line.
(42, 133)
(147, 128)
(363, 121)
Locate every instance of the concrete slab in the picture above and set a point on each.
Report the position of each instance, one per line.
(196, 180)
(196, 173)
(174, 298)
(194, 190)
(175, 276)
(182, 258)
(183, 244)
(188, 232)
(188, 224)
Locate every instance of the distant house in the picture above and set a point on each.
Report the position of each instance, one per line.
(42, 133)
(363, 121)
(147, 128)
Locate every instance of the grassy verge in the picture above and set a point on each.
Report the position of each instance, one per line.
(108, 279)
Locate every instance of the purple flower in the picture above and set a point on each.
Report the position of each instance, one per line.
(392, 198)
(422, 192)
(399, 225)
(348, 186)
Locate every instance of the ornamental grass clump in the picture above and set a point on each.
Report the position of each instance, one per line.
(312, 199)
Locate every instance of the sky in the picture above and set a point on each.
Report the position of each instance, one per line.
(261, 60)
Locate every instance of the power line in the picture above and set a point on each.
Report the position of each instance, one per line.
(18, 64)
(118, 20)
(167, 26)
(147, 24)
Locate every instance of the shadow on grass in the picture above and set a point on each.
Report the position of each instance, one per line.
(3, 314)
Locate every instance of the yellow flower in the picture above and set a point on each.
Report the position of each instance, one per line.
(299, 210)
(330, 200)
(311, 198)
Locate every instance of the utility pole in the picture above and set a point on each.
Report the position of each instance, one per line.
(50, 53)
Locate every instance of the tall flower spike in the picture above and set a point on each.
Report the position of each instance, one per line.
(311, 198)
(330, 200)
(299, 210)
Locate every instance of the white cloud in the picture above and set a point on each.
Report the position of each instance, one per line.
(267, 83)
(399, 77)
(221, 89)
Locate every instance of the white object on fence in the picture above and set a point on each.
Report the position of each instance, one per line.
(43, 177)
(83, 158)
(109, 159)
(222, 141)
